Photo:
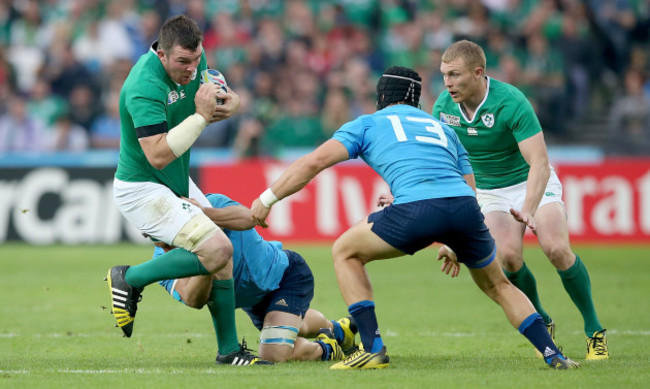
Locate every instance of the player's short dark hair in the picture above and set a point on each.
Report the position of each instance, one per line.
(399, 85)
(180, 30)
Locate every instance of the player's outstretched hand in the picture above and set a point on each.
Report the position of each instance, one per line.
(525, 218)
(385, 199)
(260, 213)
(230, 106)
(450, 265)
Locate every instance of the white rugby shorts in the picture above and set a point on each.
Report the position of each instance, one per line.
(154, 209)
(502, 199)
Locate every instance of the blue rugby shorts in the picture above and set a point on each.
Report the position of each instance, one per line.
(294, 294)
(454, 221)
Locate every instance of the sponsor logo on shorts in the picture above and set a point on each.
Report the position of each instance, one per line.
(186, 207)
(549, 194)
(450, 119)
(281, 302)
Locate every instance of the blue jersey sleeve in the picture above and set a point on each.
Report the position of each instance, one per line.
(220, 201)
(351, 135)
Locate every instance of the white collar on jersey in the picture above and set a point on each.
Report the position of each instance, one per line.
(462, 111)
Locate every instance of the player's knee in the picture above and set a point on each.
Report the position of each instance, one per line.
(195, 302)
(275, 353)
(215, 253)
(511, 260)
(560, 256)
(195, 297)
(277, 342)
(341, 251)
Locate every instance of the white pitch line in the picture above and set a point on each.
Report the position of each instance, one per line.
(108, 371)
(388, 333)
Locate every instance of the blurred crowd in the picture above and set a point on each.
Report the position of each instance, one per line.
(304, 67)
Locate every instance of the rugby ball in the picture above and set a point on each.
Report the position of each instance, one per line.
(215, 77)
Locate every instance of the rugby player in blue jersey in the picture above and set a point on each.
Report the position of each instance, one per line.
(432, 182)
(273, 286)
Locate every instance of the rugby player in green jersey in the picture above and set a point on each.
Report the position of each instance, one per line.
(516, 186)
(163, 110)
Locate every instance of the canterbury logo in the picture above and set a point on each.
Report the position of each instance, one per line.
(549, 194)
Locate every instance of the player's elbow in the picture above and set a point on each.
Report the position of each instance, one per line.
(158, 162)
(315, 163)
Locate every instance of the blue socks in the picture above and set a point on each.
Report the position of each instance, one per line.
(535, 331)
(363, 313)
(338, 331)
(327, 350)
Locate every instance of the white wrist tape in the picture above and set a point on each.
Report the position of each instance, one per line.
(268, 198)
(183, 136)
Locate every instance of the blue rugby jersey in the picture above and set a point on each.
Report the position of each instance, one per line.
(417, 155)
(258, 265)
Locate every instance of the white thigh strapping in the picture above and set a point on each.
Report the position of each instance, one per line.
(502, 199)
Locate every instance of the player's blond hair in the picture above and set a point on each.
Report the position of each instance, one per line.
(471, 53)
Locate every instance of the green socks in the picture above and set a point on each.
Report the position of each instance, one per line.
(577, 284)
(525, 281)
(177, 263)
(221, 304)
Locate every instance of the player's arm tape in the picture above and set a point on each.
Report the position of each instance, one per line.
(268, 198)
(183, 136)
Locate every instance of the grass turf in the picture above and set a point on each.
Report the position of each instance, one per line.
(55, 330)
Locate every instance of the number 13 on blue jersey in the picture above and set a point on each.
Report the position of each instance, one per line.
(429, 124)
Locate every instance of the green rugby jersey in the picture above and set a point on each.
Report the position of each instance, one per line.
(149, 98)
(504, 118)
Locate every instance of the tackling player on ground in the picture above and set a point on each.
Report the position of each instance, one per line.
(516, 186)
(273, 286)
(429, 174)
(163, 110)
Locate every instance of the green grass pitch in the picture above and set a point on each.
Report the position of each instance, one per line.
(55, 330)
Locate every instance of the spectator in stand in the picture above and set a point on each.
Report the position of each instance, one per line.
(19, 131)
(66, 135)
(44, 104)
(27, 34)
(84, 105)
(630, 118)
(265, 44)
(542, 71)
(105, 130)
(336, 111)
(63, 70)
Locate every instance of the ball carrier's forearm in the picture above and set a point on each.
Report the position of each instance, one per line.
(182, 137)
